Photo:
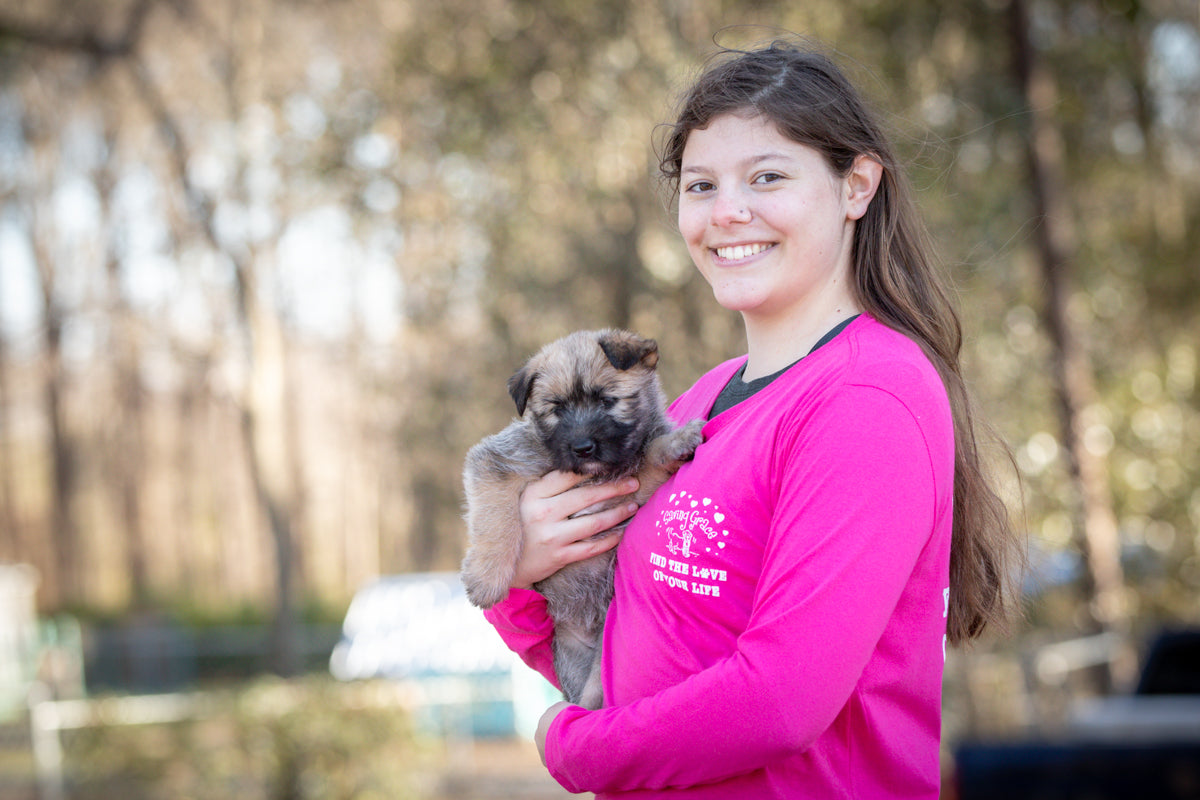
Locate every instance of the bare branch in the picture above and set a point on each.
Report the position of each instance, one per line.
(84, 41)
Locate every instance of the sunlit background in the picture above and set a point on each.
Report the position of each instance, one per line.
(266, 266)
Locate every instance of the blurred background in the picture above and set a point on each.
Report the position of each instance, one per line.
(265, 267)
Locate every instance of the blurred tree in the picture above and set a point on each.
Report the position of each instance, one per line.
(1112, 186)
(11, 546)
(126, 444)
(1091, 508)
(269, 445)
(62, 450)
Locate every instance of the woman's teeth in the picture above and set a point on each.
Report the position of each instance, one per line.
(740, 251)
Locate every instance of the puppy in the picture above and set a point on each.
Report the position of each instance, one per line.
(589, 403)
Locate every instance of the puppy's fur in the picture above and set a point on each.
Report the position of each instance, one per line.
(589, 403)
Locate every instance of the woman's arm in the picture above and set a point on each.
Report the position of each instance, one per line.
(526, 628)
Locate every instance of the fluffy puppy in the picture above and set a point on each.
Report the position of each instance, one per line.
(589, 403)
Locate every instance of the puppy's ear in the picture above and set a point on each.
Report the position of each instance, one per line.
(519, 386)
(624, 349)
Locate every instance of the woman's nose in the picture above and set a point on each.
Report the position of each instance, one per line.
(730, 208)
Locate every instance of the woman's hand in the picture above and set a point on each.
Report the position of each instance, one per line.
(543, 727)
(552, 538)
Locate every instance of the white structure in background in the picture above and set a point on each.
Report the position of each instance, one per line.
(422, 630)
(18, 637)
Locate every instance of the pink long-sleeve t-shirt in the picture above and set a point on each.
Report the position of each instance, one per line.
(778, 622)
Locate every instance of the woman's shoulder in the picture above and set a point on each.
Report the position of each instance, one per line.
(892, 368)
(890, 359)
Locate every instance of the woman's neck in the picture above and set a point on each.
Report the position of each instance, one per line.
(773, 346)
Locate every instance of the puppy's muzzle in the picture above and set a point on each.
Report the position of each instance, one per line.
(588, 441)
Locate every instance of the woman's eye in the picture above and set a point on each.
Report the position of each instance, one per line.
(699, 187)
(768, 177)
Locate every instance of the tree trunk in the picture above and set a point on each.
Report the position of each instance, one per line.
(126, 445)
(128, 461)
(262, 407)
(1092, 512)
(64, 541)
(267, 447)
(11, 546)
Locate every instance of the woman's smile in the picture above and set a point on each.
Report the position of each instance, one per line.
(733, 254)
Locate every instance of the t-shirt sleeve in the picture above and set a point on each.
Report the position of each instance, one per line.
(855, 508)
(526, 628)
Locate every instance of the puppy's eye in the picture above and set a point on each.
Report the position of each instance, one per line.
(609, 402)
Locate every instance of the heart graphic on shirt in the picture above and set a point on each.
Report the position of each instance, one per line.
(718, 517)
(672, 499)
(707, 501)
(694, 504)
(721, 545)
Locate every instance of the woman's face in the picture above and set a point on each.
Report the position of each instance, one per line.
(767, 222)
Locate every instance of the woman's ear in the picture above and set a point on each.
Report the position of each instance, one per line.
(861, 183)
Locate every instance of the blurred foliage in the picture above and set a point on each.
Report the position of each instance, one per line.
(310, 738)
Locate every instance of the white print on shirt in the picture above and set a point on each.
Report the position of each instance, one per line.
(678, 575)
(689, 518)
(692, 526)
(945, 615)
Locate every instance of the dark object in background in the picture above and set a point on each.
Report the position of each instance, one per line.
(1074, 771)
(1173, 665)
(1146, 745)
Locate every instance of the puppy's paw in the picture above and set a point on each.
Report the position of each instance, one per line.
(482, 591)
(680, 444)
(485, 596)
(691, 436)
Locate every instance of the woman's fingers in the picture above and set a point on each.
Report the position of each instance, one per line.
(579, 531)
(553, 536)
(558, 496)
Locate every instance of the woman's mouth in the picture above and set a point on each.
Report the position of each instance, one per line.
(740, 252)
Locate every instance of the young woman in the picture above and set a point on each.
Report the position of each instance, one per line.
(782, 605)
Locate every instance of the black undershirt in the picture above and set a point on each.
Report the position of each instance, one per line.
(738, 390)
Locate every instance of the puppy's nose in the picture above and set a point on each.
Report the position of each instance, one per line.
(584, 448)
